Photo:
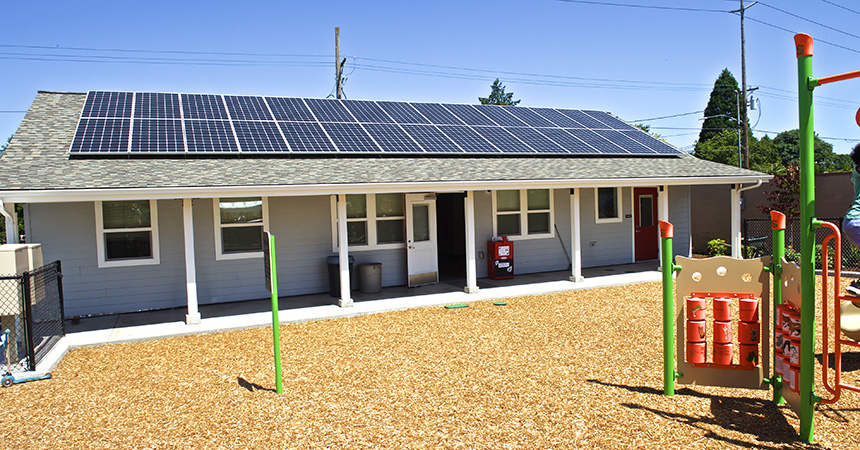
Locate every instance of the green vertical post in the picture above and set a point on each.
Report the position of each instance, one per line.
(805, 85)
(777, 224)
(276, 323)
(666, 234)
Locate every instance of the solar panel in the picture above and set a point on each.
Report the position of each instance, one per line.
(431, 139)
(108, 104)
(534, 139)
(610, 120)
(651, 142)
(157, 136)
(470, 115)
(437, 113)
(530, 117)
(209, 136)
(247, 108)
(557, 118)
(290, 109)
(391, 138)
(366, 111)
(500, 115)
(149, 105)
(402, 112)
(616, 137)
(101, 136)
(469, 140)
(306, 137)
(583, 118)
(568, 141)
(259, 137)
(600, 144)
(329, 110)
(504, 141)
(203, 106)
(350, 138)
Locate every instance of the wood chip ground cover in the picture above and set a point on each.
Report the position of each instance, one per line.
(581, 369)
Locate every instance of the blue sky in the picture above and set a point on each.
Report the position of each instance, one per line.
(635, 62)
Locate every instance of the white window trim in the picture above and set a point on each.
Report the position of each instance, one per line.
(152, 228)
(524, 221)
(371, 220)
(597, 218)
(219, 253)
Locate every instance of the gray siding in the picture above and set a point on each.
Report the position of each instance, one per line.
(680, 218)
(606, 243)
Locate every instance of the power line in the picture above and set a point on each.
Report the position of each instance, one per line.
(808, 20)
(840, 6)
(669, 117)
(181, 52)
(628, 5)
(794, 32)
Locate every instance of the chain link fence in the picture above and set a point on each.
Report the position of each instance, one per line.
(758, 241)
(31, 308)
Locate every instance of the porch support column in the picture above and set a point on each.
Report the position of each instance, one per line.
(471, 250)
(575, 237)
(736, 221)
(193, 316)
(662, 214)
(343, 254)
(8, 211)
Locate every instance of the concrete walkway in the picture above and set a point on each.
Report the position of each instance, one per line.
(150, 325)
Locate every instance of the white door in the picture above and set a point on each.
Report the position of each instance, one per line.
(422, 265)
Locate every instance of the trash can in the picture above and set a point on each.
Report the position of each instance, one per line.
(370, 278)
(334, 274)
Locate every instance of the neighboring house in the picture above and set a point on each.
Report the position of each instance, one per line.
(158, 200)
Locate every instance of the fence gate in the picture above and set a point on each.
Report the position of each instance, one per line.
(31, 308)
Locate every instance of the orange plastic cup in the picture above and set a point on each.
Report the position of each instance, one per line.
(722, 332)
(696, 352)
(695, 331)
(723, 354)
(748, 332)
(748, 309)
(696, 308)
(722, 309)
(749, 355)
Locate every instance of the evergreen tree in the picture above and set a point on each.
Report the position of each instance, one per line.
(722, 110)
(498, 96)
(787, 146)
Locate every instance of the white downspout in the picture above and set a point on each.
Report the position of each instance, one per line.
(736, 217)
(8, 211)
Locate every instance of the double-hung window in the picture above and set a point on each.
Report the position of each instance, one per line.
(373, 221)
(607, 203)
(524, 213)
(126, 233)
(239, 224)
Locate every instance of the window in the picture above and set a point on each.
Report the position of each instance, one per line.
(523, 213)
(373, 221)
(127, 233)
(607, 205)
(239, 224)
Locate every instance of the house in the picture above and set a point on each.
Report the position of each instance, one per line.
(155, 200)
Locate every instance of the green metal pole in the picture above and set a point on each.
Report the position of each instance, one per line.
(803, 44)
(777, 223)
(666, 232)
(276, 324)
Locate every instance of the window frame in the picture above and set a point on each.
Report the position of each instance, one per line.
(618, 204)
(219, 246)
(371, 220)
(523, 212)
(103, 262)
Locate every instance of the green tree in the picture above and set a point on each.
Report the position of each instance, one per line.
(722, 110)
(787, 146)
(722, 147)
(785, 193)
(498, 96)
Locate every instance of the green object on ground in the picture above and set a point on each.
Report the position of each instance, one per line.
(500, 303)
(459, 305)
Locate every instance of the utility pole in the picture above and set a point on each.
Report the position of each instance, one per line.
(744, 121)
(337, 65)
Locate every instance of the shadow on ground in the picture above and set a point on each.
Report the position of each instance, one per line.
(251, 387)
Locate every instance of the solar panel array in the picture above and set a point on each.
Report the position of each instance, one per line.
(143, 123)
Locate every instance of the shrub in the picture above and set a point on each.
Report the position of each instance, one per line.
(716, 247)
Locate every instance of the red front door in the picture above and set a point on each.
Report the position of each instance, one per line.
(645, 223)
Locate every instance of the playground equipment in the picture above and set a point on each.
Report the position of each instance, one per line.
(9, 378)
(720, 286)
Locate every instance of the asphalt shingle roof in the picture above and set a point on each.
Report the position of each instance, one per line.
(38, 159)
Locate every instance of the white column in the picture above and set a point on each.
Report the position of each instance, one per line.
(471, 250)
(736, 221)
(662, 214)
(193, 316)
(11, 222)
(575, 237)
(343, 255)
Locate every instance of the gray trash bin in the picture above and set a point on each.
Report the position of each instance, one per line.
(333, 263)
(370, 278)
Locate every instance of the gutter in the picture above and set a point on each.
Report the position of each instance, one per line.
(11, 224)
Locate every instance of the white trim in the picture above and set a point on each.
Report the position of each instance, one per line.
(575, 236)
(11, 219)
(219, 253)
(193, 315)
(153, 229)
(633, 207)
(80, 195)
(471, 249)
(618, 204)
(371, 220)
(523, 213)
(343, 255)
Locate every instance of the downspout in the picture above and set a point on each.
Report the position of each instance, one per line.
(736, 218)
(11, 223)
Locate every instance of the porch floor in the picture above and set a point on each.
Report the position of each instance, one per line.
(138, 326)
